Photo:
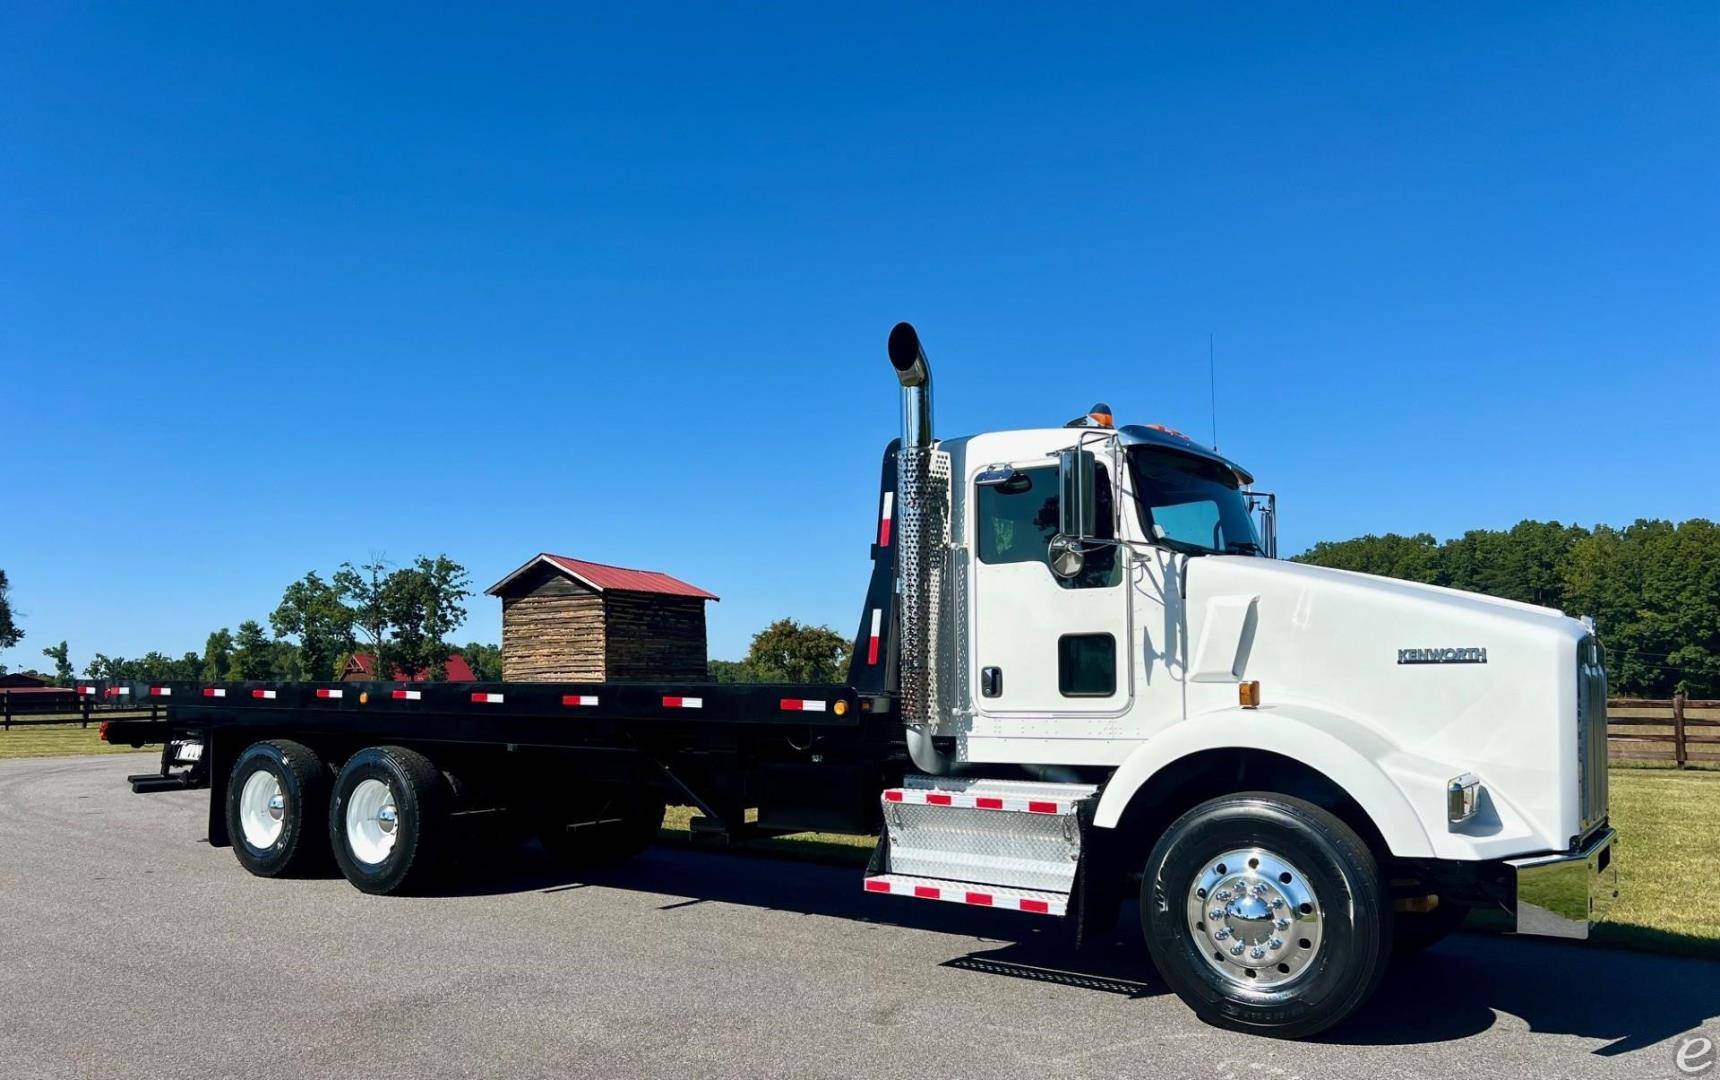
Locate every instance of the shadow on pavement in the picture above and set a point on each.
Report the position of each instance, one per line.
(1630, 1000)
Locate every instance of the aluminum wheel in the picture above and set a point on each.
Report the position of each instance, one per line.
(1255, 918)
(262, 809)
(372, 821)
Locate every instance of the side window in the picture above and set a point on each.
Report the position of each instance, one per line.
(1016, 521)
(1087, 665)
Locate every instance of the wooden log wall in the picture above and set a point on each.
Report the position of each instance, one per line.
(553, 637)
(655, 638)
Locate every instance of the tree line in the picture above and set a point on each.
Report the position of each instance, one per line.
(401, 615)
(1652, 587)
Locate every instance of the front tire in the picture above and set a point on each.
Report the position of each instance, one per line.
(389, 820)
(1266, 914)
(277, 795)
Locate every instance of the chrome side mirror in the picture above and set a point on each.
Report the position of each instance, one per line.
(1077, 482)
(1265, 504)
(1066, 557)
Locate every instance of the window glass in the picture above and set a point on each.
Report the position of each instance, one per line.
(1087, 665)
(1016, 521)
(1192, 503)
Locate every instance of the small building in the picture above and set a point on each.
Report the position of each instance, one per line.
(25, 693)
(569, 620)
(361, 667)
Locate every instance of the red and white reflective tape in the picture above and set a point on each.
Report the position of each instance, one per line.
(486, 699)
(872, 641)
(790, 704)
(884, 517)
(214, 691)
(579, 699)
(161, 691)
(118, 691)
(407, 695)
(263, 695)
(924, 797)
(683, 703)
(87, 691)
(961, 894)
(326, 693)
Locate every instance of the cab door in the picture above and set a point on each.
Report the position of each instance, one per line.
(1051, 658)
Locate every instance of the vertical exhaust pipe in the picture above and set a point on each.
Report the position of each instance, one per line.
(919, 556)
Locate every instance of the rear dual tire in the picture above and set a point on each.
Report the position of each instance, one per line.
(388, 820)
(277, 806)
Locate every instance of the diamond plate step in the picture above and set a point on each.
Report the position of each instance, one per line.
(992, 833)
(1033, 901)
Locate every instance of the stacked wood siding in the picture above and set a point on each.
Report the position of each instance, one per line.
(654, 637)
(557, 629)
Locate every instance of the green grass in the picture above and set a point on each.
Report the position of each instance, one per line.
(837, 848)
(57, 740)
(1666, 821)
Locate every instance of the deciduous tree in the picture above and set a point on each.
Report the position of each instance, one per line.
(311, 610)
(63, 673)
(786, 651)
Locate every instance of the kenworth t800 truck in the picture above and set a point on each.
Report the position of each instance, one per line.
(1080, 676)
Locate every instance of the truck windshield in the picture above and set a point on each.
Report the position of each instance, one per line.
(1192, 504)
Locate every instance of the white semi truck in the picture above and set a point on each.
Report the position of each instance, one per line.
(1081, 677)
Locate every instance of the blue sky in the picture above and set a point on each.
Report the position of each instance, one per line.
(282, 287)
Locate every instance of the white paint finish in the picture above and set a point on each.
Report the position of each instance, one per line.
(1018, 612)
(1218, 655)
(1322, 643)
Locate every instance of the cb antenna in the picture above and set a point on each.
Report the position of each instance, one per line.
(1212, 387)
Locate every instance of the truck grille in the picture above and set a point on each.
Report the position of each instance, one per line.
(1591, 733)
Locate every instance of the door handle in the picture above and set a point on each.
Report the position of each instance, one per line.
(990, 681)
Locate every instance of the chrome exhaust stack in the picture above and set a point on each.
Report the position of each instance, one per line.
(921, 520)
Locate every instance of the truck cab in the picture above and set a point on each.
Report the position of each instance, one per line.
(1300, 770)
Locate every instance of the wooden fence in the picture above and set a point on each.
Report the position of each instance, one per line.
(1682, 731)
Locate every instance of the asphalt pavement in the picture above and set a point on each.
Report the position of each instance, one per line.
(130, 948)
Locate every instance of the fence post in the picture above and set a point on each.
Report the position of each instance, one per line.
(1678, 748)
(84, 707)
(6, 707)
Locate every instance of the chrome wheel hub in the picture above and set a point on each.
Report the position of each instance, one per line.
(1255, 917)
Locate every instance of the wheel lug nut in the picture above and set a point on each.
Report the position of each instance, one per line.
(1275, 944)
(1282, 924)
(1236, 950)
(1222, 935)
(1257, 952)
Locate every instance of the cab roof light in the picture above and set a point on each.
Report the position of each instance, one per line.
(1099, 416)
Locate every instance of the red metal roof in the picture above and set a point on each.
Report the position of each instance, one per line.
(603, 577)
(455, 670)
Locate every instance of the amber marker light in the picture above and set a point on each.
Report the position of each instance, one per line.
(364, 697)
(1248, 694)
(840, 708)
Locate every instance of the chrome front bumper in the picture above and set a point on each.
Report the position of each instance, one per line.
(1561, 895)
